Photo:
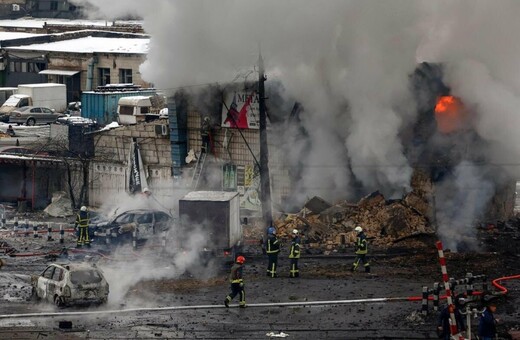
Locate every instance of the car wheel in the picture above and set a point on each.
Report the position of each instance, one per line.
(58, 301)
(31, 122)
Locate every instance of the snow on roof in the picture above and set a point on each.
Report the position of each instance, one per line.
(16, 35)
(91, 45)
(213, 196)
(40, 22)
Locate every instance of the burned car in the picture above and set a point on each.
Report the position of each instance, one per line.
(120, 227)
(71, 284)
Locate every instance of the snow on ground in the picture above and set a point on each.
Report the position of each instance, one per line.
(15, 287)
(27, 131)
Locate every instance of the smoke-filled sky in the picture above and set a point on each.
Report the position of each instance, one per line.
(331, 53)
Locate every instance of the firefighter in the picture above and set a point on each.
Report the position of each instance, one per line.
(361, 251)
(82, 222)
(272, 248)
(294, 254)
(205, 131)
(237, 283)
(487, 327)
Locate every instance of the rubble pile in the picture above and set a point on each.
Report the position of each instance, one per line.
(384, 221)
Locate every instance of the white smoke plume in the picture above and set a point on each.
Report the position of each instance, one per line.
(348, 63)
(460, 200)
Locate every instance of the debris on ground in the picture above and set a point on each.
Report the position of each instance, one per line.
(384, 221)
(61, 205)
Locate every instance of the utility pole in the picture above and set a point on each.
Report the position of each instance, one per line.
(265, 183)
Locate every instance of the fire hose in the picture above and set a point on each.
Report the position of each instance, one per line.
(496, 283)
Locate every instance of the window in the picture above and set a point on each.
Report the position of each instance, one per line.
(47, 111)
(85, 277)
(36, 110)
(146, 218)
(23, 102)
(125, 75)
(35, 67)
(104, 76)
(58, 274)
(54, 5)
(161, 217)
(18, 66)
(48, 272)
(145, 109)
(125, 218)
(126, 110)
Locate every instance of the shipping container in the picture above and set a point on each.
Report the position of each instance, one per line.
(102, 106)
(216, 216)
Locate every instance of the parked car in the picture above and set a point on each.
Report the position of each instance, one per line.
(71, 284)
(32, 115)
(121, 226)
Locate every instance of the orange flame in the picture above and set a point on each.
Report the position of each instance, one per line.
(450, 114)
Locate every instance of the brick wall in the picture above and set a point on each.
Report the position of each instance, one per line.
(109, 169)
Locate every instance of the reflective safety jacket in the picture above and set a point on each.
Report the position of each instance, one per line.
(361, 244)
(295, 248)
(272, 245)
(83, 219)
(236, 274)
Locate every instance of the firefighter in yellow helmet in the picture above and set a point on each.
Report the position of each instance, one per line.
(82, 223)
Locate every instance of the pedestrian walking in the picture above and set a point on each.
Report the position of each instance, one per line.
(81, 226)
(361, 251)
(272, 248)
(294, 254)
(487, 327)
(237, 283)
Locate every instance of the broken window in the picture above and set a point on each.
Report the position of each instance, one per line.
(54, 5)
(58, 274)
(85, 277)
(161, 217)
(126, 218)
(48, 273)
(146, 218)
(125, 75)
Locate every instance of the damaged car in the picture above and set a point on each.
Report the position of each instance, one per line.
(70, 284)
(120, 227)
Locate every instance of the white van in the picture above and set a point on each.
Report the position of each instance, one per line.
(134, 109)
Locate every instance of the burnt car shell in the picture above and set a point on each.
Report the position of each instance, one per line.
(71, 284)
(121, 226)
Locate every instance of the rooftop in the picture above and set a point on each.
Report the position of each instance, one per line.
(91, 45)
(40, 22)
(214, 196)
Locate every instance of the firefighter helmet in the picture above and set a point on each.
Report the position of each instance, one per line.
(83, 208)
(295, 231)
(358, 229)
(271, 231)
(241, 259)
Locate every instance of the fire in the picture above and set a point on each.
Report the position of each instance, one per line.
(450, 114)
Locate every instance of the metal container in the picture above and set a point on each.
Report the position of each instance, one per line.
(102, 106)
(215, 214)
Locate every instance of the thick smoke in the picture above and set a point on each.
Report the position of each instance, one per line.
(348, 63)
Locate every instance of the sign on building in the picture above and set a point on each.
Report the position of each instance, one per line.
(241, 110)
